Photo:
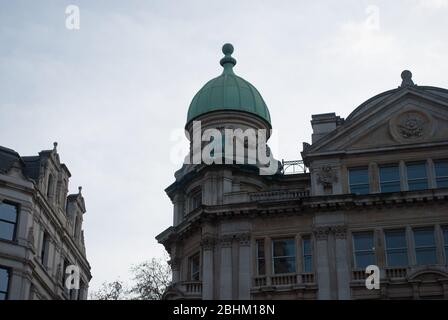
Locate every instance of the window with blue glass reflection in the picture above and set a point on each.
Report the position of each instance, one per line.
(359, 180)
(8, 220)
(396, 248)
(363, 248)
(284, 255)
(417, 178)
(445, 242)
(441, 168)
(4, 280)
(389, 178)
(307, 255)
(425, 247)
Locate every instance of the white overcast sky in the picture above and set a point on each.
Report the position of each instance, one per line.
(113, 92)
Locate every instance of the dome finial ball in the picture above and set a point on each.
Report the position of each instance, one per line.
(406, 75)
(227, 49)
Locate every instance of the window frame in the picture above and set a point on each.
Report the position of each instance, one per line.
(353, 235)
(44, 250)
(16, 223)
(280, 257)
(8, 285)
(416, 249)
(305, 255)
(445, 242)
(426, 178)
(437, 178)
(358, 184)
(190, 267)
(396, 249)
(389, 165)
(258, 258)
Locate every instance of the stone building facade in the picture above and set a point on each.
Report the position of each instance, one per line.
(41, 231)
(373, 191)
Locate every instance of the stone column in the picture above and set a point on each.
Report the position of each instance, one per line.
(207, 245)
(225, 271)
(342, 266)
(244, 266)
(323, 269)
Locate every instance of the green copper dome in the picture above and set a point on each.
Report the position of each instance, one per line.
(228, 92)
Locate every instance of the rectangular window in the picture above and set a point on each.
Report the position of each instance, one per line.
(8, 220)
(441, 168)
(359, 180)
(284, 255)
(44, 250)
(396, 248)
(363, 248)
(417, 177)
(425, 247)
(389, 178)
(445, 243)
(196, 200)
(194, 265)
(261, 261)
(4, 283)
(307, 255)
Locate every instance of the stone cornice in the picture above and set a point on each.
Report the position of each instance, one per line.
(303, 206)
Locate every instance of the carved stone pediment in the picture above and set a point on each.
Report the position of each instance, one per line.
(411, 115)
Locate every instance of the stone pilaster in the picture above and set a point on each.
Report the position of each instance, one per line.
(244, 266)
(207, 244)
(225, 272)
(323, 268)
(342, 266)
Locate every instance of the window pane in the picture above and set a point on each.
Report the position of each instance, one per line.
(6, 230)
(306, 246)
(389, 179)
(3, 280)
(261, 267)
(397, 258)
(2, 296)
(396, 239)
(417, 179)
(445, 235)
(424, 237)
(363, 241)
(360, 189)
(426, 256)
(284, 247)
(307, 264)
(416, 170)
(358, 176)
(425, 249)
(285, 265)
(8, 212)
(260, 248)
(441, 168)
(364, 259)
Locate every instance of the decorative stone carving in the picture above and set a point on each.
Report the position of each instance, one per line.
(411, 125)
(226, 240)
(326, 176)
(243, 238)
(321, 233)
(207, 242)
(340, 232)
